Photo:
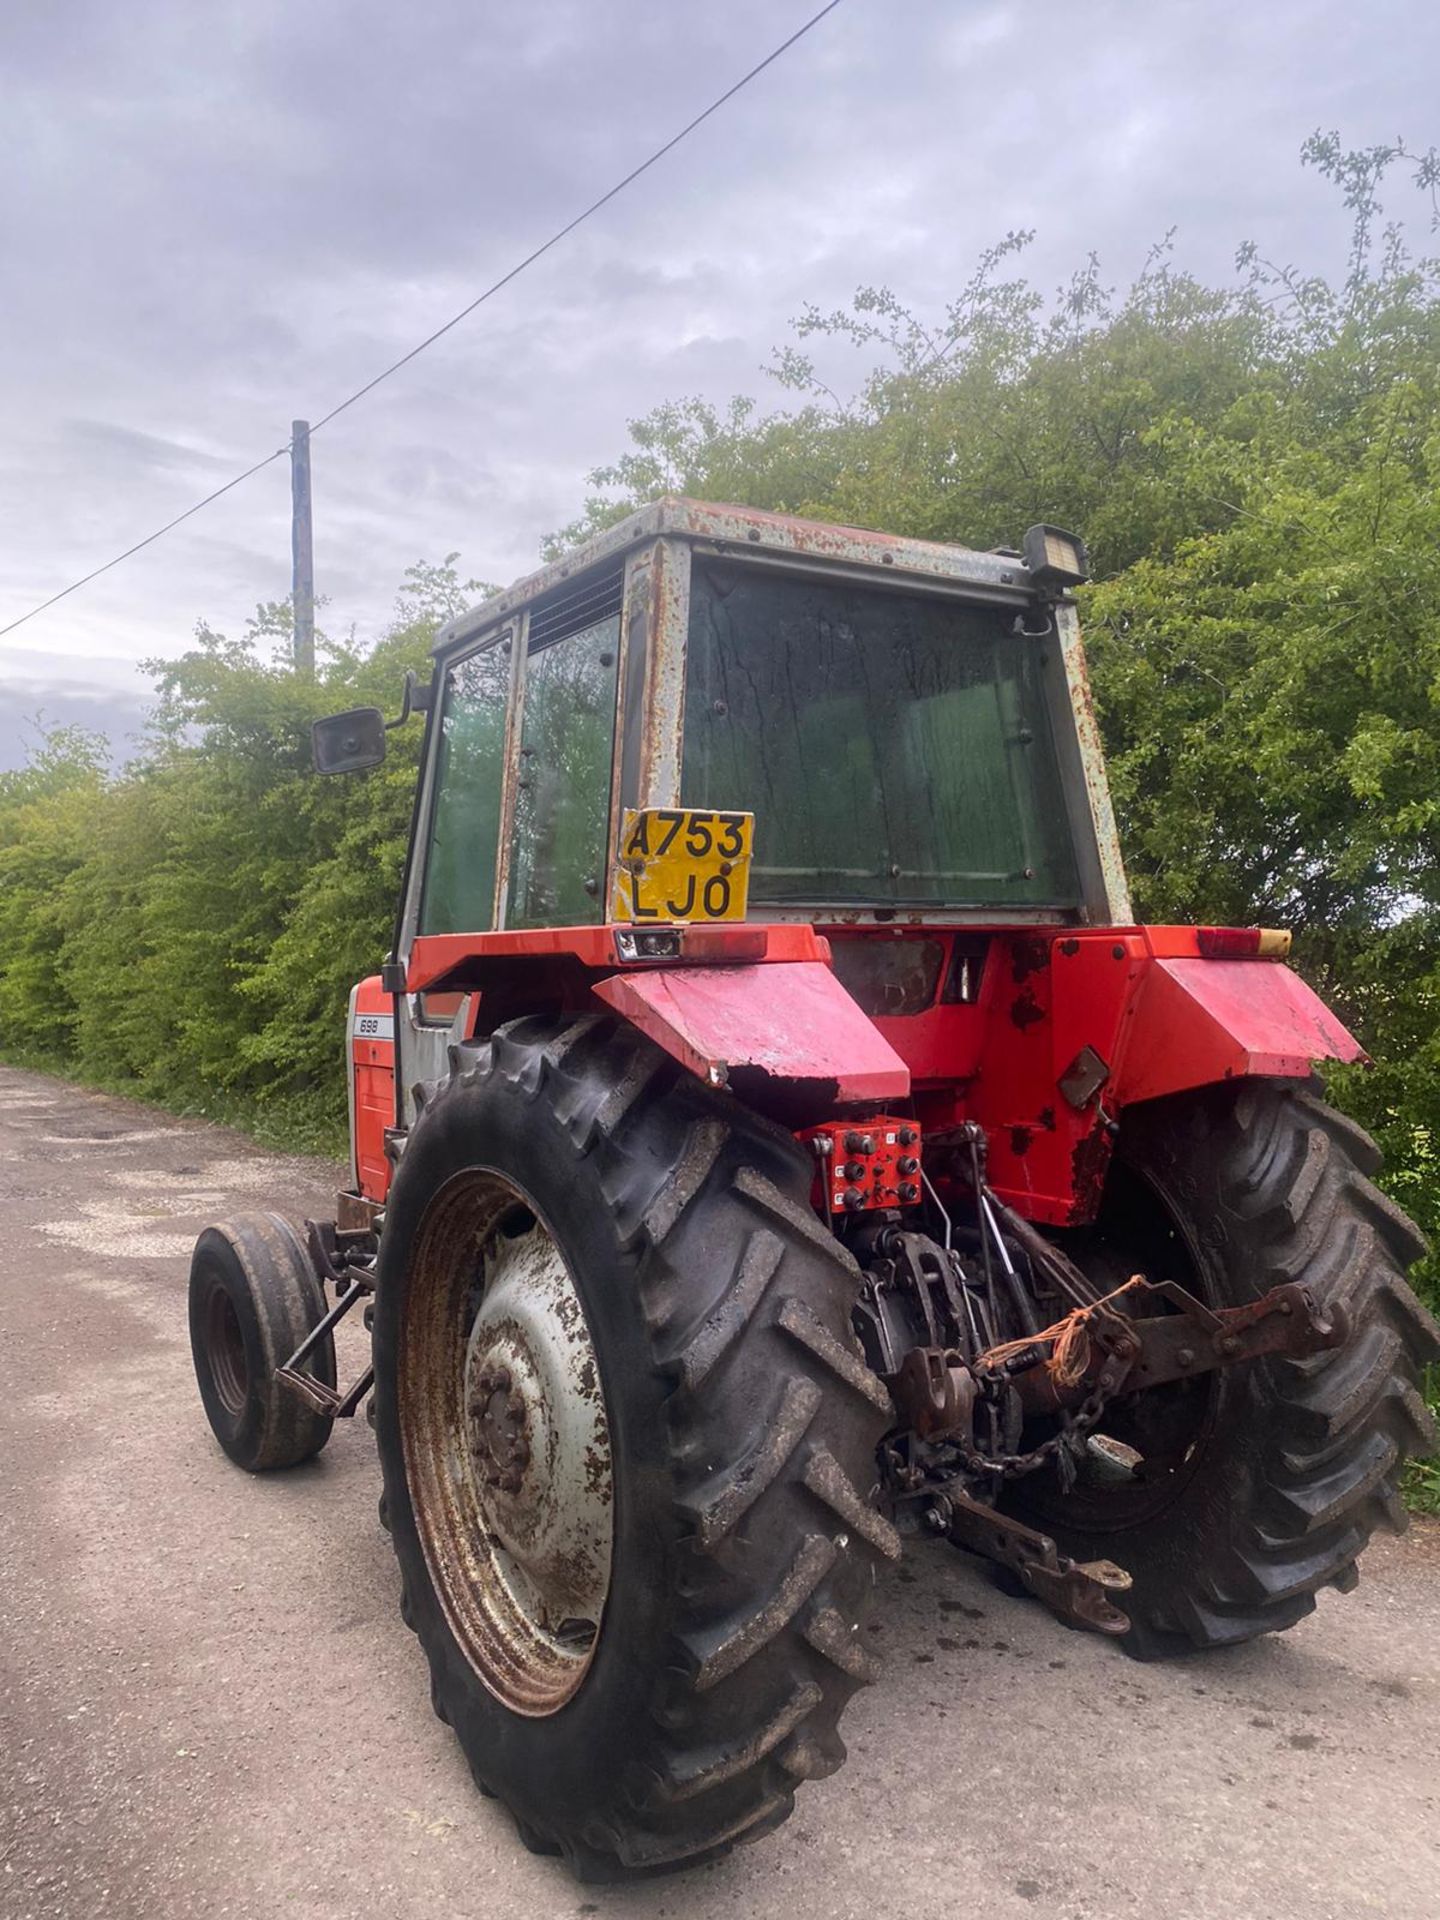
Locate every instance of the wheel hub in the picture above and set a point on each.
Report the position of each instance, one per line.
(539, 1445)
(499, 1441)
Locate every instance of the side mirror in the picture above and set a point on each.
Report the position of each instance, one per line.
(348, 742)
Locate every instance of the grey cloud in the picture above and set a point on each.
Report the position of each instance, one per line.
(217, 218)
(133, 450)
(29, 709)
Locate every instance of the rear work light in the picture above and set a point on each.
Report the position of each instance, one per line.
(1055, 558)
(1243, 943)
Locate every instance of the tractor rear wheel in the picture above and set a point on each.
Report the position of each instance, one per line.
(628, 1445)
(1233, 1498)
(254, 1296)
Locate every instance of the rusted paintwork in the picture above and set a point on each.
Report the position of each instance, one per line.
(737, 530)
(1111, 1016)
(357, 1213)
(631, 634)
(638, 618)
(1083, 727)
(515, 639)
(539, 1434)
(662, 726)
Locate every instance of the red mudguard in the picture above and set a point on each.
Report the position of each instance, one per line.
(792, 1021)
(1073, 1029)
(1198, 1021)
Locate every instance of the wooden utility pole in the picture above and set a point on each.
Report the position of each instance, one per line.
(302, 548)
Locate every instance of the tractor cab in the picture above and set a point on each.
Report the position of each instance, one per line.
(899, 717)
(712, 717)
(823, 812)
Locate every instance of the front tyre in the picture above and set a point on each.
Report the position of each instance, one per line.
(254, 1297)
(628, 1444)
(1235, 1497)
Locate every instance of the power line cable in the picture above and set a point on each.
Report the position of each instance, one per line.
(580, 218)
(464, 313)
(148, 541)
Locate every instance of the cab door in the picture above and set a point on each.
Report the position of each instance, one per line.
(556, 864)
(457, 860)
(537, 697)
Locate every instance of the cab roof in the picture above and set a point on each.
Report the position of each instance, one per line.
(742, 530)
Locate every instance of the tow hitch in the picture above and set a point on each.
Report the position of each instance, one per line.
(1076, 1591)
(1098, 1353)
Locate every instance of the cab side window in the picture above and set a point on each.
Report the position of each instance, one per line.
(460, 857)
(562, 789)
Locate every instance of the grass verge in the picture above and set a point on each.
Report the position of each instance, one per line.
(301, 1123)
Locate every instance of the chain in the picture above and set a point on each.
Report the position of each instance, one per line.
(1016, 1465)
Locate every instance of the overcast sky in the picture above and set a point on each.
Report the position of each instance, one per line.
(218, 215)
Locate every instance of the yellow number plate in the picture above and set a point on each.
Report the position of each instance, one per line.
(678, 863)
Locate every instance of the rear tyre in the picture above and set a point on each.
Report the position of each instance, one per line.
(1260, 1484)
(644, 1654)
(254, 1297)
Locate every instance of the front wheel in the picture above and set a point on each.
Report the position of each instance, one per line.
(628, 1443)
(1233, 1498)
(254, 1297)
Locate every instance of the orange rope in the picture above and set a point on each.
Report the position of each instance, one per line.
(1069, 1360)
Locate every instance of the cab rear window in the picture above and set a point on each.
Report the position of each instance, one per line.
(894, 748)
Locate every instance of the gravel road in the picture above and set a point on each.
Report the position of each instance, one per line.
(208, 1705)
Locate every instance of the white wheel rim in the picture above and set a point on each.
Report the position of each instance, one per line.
(507, 1442)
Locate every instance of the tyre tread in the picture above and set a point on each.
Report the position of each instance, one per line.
(773, 1420)
(1338, 1425)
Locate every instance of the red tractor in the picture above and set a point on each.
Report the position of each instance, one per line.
(773, 1135)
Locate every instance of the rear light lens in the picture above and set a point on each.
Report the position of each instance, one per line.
(1243, 943)
(724, 943)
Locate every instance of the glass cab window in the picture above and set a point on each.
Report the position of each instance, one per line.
(460, 857)
(562, 789)
(893, 747)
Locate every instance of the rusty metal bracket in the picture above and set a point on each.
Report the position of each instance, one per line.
(1192, 1340)
(315, 1393)
(345, 1256)
(1196, 1339)
(1079, 1592)
(934, 1394)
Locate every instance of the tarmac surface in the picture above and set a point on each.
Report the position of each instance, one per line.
(209, 1706)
